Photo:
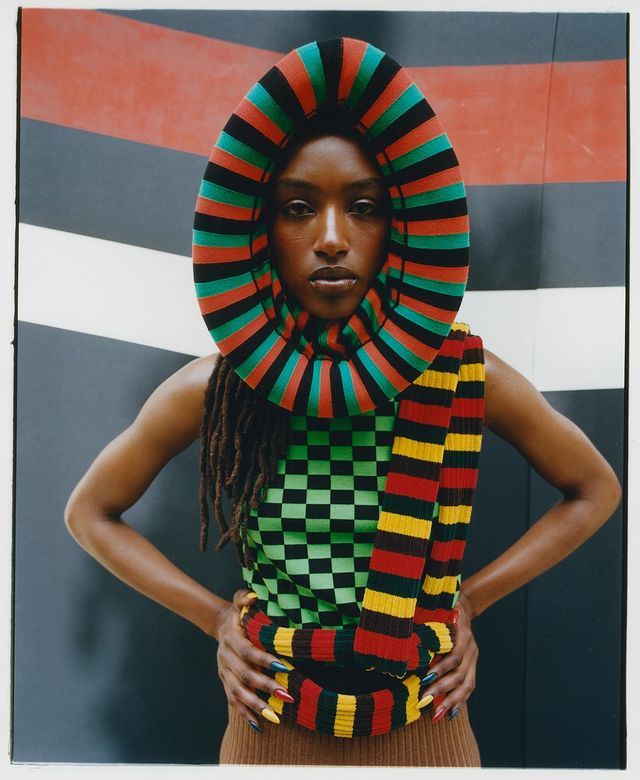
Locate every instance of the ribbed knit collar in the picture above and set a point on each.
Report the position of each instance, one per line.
(337, 339)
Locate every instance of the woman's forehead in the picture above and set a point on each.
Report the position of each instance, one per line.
(330, 156)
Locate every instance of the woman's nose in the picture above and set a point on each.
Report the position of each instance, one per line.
(332, 237)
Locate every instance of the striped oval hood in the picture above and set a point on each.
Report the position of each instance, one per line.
(399, 326)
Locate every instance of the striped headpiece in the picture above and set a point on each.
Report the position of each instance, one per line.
(403, 319)
(408, 608)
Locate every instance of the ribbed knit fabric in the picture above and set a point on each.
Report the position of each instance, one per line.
(407, 613)
(399, 326)
(421, 743)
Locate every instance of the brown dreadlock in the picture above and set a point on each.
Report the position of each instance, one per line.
(242, 437)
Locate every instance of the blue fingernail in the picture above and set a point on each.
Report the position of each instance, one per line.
(454, 713)
(278, 667)
(255, 727)
(429, 678)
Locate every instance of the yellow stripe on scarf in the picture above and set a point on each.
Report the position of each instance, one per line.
(463, 442)
(432, 586)
(449, 515)
(397, 606)
(419, 450)
(282, 641)
(404, 524)
(440, 380)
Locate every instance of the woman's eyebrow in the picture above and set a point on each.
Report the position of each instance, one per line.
(291, 182)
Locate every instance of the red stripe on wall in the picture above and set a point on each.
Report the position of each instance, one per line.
(132, 80)
(496, 116)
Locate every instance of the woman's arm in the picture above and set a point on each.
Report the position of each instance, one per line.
(561, 453)
(167, 423)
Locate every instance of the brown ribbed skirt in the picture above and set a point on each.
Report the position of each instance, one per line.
(421, 743)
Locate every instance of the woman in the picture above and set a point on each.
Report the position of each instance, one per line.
(330, 253)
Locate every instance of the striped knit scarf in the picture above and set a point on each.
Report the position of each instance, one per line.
(408, 606)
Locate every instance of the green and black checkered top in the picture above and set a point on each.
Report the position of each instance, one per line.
(310, 540)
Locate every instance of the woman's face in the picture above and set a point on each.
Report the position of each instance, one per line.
(330, 224)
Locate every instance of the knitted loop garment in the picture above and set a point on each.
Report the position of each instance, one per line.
(401, 340)
(407, 611)
(397, 329)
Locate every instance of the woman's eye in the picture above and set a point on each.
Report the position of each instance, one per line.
(363, 207)
(296, 208)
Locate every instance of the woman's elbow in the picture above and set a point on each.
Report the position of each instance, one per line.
(74, 518)
(606, 492)
(80, 515)
(614, 491)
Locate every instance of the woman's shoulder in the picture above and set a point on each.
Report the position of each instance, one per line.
(174, 410)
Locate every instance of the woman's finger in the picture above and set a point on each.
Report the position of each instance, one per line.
(244, 596)
(247, 703)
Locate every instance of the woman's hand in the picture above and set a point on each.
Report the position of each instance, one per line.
(456, 670)
(239, 661)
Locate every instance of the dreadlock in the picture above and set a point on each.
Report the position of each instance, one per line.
(242, 437)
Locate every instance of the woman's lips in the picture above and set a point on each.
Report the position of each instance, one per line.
(332, 286)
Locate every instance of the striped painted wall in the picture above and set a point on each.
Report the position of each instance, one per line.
(119, 111)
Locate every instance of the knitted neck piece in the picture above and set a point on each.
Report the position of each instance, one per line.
(398, 327)
(408, 605)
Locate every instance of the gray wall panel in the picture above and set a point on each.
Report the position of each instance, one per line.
(499, 518)
(584, 235)
(105, 187)
(437, 38)
(573, 672)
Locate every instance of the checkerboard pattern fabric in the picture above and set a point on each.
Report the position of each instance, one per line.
(310, 540)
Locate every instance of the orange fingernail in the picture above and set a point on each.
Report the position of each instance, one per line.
(438, 715)
(282, 694)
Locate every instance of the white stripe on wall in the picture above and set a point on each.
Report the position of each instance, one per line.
(561, 339)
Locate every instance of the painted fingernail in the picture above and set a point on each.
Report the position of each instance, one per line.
(252, 595)
(454, 713)
(423, 702)
(429, 678)
(255, 727)
(282, 694)
(438, 715)
(278, 667)
(269, 714)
